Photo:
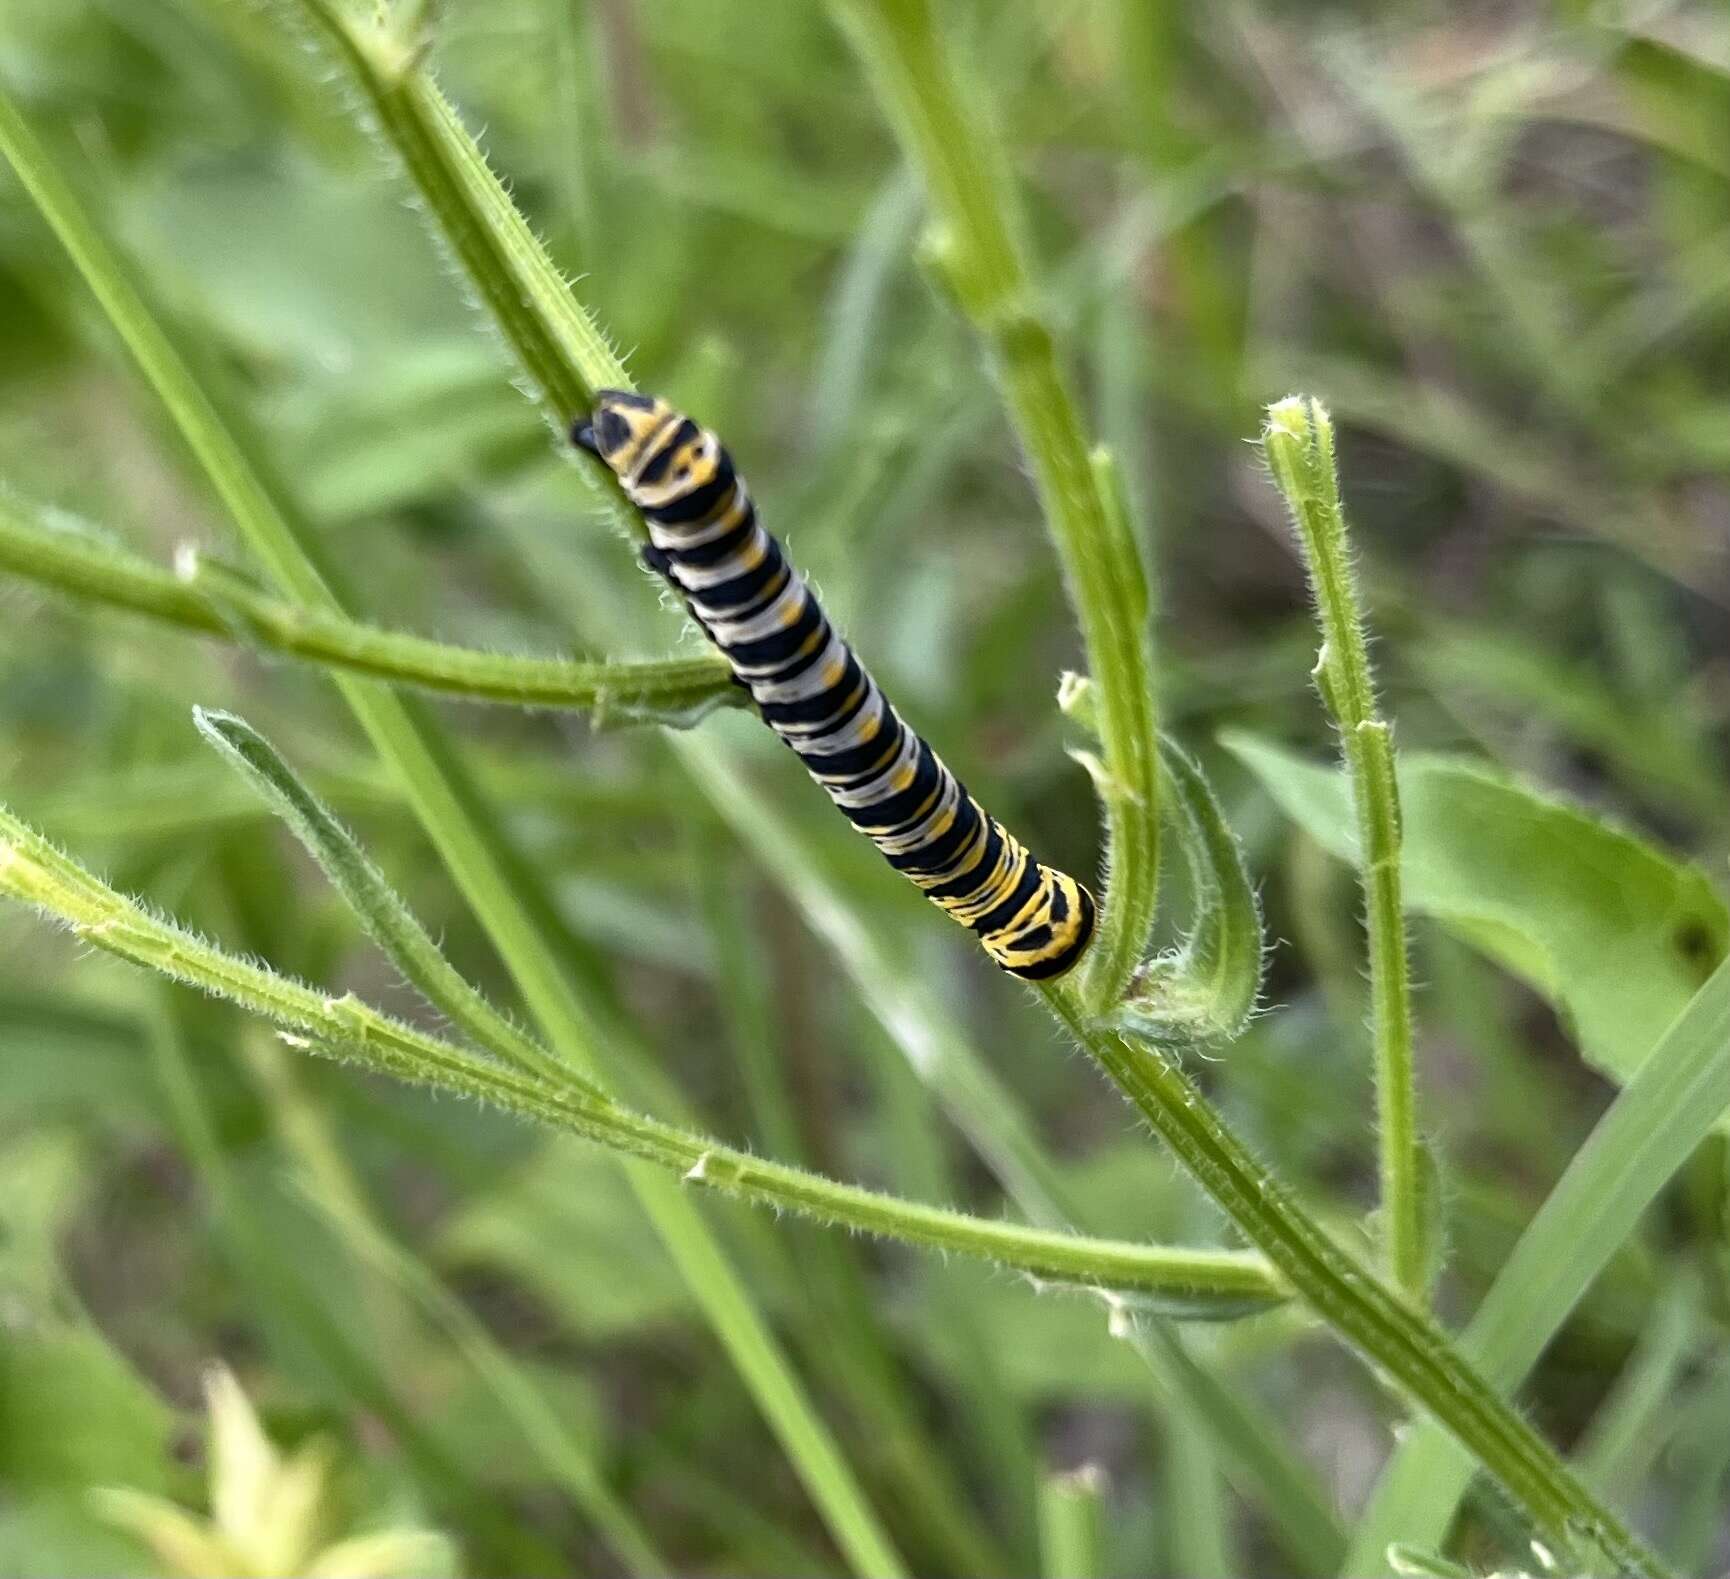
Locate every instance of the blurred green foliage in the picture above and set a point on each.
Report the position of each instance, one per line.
(1492, 240)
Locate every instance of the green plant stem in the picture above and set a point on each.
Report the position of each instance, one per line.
(1663, 1113)
(489, 240)
(1342, 1293)
(1298, 441)
(467, 840)
(976, 246)
(1362, 1310)
(33, 871)
(201, 597)
(1221, 1281)
(1071, 1520)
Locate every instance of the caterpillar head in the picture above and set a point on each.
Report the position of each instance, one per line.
(661, 456)
(622, 427)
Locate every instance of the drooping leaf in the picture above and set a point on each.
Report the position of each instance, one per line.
(1207, 988)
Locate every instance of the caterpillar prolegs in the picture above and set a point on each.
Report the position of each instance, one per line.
(814, 693)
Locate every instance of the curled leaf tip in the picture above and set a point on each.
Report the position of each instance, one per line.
(214, 722)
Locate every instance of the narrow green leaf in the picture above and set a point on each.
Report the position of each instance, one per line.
(388, 921)
(1206, 989)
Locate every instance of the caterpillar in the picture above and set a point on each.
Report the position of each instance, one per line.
(815, 694)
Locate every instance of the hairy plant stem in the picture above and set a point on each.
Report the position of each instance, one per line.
(1376, 1321)
(200, 595)
(1298, 441)
(33, 871)
(486, 235)
(975, 246)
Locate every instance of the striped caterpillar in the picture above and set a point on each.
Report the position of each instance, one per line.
(814, 693)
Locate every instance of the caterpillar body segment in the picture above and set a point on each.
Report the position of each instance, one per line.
(815, 694)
